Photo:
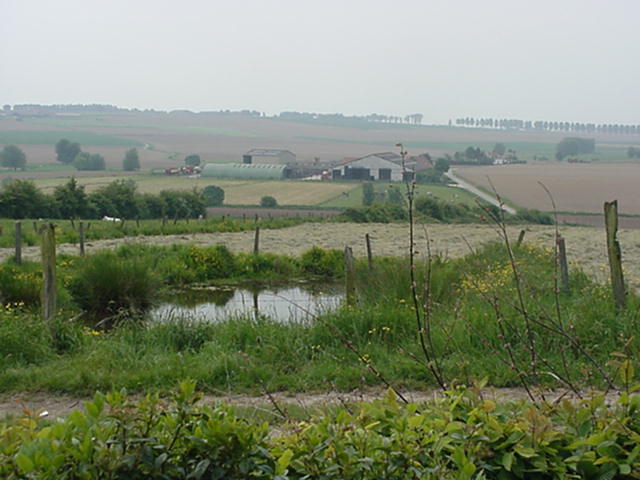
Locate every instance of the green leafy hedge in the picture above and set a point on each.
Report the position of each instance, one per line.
(460, 436)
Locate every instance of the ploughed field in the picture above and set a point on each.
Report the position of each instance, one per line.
(586, 246)
(575, 187)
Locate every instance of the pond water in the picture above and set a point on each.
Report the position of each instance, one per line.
(291, 303)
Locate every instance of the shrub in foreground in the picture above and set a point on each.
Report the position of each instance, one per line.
(459, 436)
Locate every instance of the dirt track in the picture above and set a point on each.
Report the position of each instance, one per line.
(585, 245)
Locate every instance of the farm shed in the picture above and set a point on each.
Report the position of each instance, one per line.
(248, 171)
(269, 156)
(375, 166)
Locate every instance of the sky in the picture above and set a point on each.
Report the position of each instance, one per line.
(563, 60)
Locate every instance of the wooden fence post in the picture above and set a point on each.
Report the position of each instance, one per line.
(81, 233)
(520, 238)
(369, 253)
(564, 266)
(350, 277)
(256, 241)
(18, 242)
(48, 246)
(615, 254)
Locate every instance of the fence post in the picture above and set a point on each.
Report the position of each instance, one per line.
(615, 254)
(18, 242)
(81, 233)
(520, 238)
(564, 266)
(48, 246)
(256, 241)
(350, 277)
(369, 253)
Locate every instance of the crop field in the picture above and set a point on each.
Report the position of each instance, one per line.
(237, 192)
(575, 187)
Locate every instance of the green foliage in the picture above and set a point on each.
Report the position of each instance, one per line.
(569, 146)
(109, 284)
(633, 152)
(532, 216)
(368, 195)
(183, 204)
(429, 176)
(213, 196)
(395, 195)
(441, 165)
(21, 199)
(268, 202)
(458, 436)
(87, 161)
(20, 284)
(71, 200)
(499, 149)
(117, 199)
(17, 325)
(131, 160)
(66, 151)
(114, 438)
(378, 213)
(317, 261)
(192, 160)
(12, 156)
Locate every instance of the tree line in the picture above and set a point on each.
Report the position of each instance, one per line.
(550, 126)
(339, 118)
(120, 198)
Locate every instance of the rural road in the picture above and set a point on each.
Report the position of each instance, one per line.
(479, 193)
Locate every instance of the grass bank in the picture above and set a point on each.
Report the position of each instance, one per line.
(476, 328)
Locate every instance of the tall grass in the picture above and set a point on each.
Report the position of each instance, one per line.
(249, 354)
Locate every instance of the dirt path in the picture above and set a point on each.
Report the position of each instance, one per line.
(44, 404)
(477, 192)
(585, 245)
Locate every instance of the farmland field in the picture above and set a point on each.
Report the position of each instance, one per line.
(163, 139)
(575, 187)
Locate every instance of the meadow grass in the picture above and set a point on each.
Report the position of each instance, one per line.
(472, 316)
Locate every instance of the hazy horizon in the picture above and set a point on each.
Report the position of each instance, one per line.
(565, 61)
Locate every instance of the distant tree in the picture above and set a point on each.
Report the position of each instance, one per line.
(131, 160)
(441, 165)
(213, 195)
(633, 152)
(117, 199)
(66, 151)
(192, 160)
(499, 149)
(368, 195)
(86, 161)
(21, 199)
(71, 200)
(569, 146)
(13, 157)
(6, 108)
(268, 202)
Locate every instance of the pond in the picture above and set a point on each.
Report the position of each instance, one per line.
(289, 303)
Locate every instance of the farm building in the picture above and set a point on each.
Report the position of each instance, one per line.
(267, 156)
(380, 166)
(248, 171)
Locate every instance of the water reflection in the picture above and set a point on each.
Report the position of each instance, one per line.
(286, 304)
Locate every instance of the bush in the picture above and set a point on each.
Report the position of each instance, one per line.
(108, 284)
(317, 261)
(268, 202)
(25, 337)
(213, 195)
(86, 161)
(378, 212)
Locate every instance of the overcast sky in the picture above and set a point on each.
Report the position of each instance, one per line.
(575, 60)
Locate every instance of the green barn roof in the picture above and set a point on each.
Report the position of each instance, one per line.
(242, 170)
